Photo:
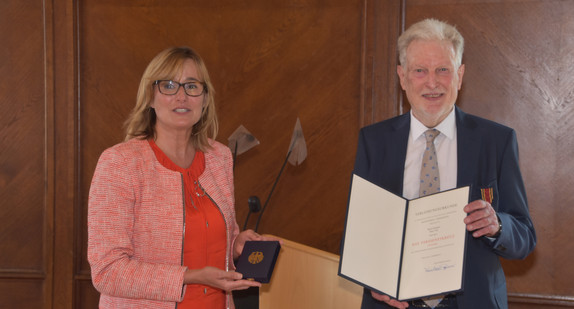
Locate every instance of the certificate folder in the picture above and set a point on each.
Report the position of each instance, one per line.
(405, 249)
(257, 260)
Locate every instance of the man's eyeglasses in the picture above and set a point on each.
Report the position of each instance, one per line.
(170, 87)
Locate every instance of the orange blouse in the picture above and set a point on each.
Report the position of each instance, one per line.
(205, 239)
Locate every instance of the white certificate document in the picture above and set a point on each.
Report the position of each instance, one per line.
(405, 249)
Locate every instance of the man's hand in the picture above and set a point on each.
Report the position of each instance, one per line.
(481, 219)
(390, 301)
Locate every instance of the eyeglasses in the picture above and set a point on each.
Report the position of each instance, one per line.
(170, 87)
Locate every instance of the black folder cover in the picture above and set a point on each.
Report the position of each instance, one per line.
(257, 260)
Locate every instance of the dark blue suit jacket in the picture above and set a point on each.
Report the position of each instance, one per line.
(487, 158)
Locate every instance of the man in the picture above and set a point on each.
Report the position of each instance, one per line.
(469, 150)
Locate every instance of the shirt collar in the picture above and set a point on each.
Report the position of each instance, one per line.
(446, 127)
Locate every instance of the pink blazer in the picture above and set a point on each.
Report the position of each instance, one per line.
(136, 224)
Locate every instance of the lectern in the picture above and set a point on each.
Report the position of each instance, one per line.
(306, 277)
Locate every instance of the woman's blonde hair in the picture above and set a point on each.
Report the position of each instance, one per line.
(166, 66)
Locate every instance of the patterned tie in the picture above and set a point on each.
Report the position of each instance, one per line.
(430, 183)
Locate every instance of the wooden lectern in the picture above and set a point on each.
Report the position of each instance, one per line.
(305, 277)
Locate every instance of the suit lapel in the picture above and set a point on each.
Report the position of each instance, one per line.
(468, 144)
(399, 141)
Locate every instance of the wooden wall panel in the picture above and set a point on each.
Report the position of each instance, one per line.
(382, 96)
(61, 41)
(22, 129)
(270, 63)
(519, 72)
(24, 205)
(22, 293)
(86, 297)
(532, 91)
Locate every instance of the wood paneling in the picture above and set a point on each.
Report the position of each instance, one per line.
(531, 89)
(519, 73)
(22, 141)
(380, 89)
(270, 64)
(22, 293)
(86, 297)
(67, 217)
(71, 70)
(25, 239)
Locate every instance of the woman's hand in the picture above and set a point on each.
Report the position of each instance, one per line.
(246, 236)
(390, 301)
(217, 278)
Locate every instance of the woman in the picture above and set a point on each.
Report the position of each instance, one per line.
(161, 221)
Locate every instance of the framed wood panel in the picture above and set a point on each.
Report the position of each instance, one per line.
(518, 73)
(25, 161)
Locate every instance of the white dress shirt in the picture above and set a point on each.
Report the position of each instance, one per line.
(445, 144)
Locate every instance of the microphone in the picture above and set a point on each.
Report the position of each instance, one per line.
(254, 206)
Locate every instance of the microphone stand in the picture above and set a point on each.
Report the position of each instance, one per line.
(273, 188)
